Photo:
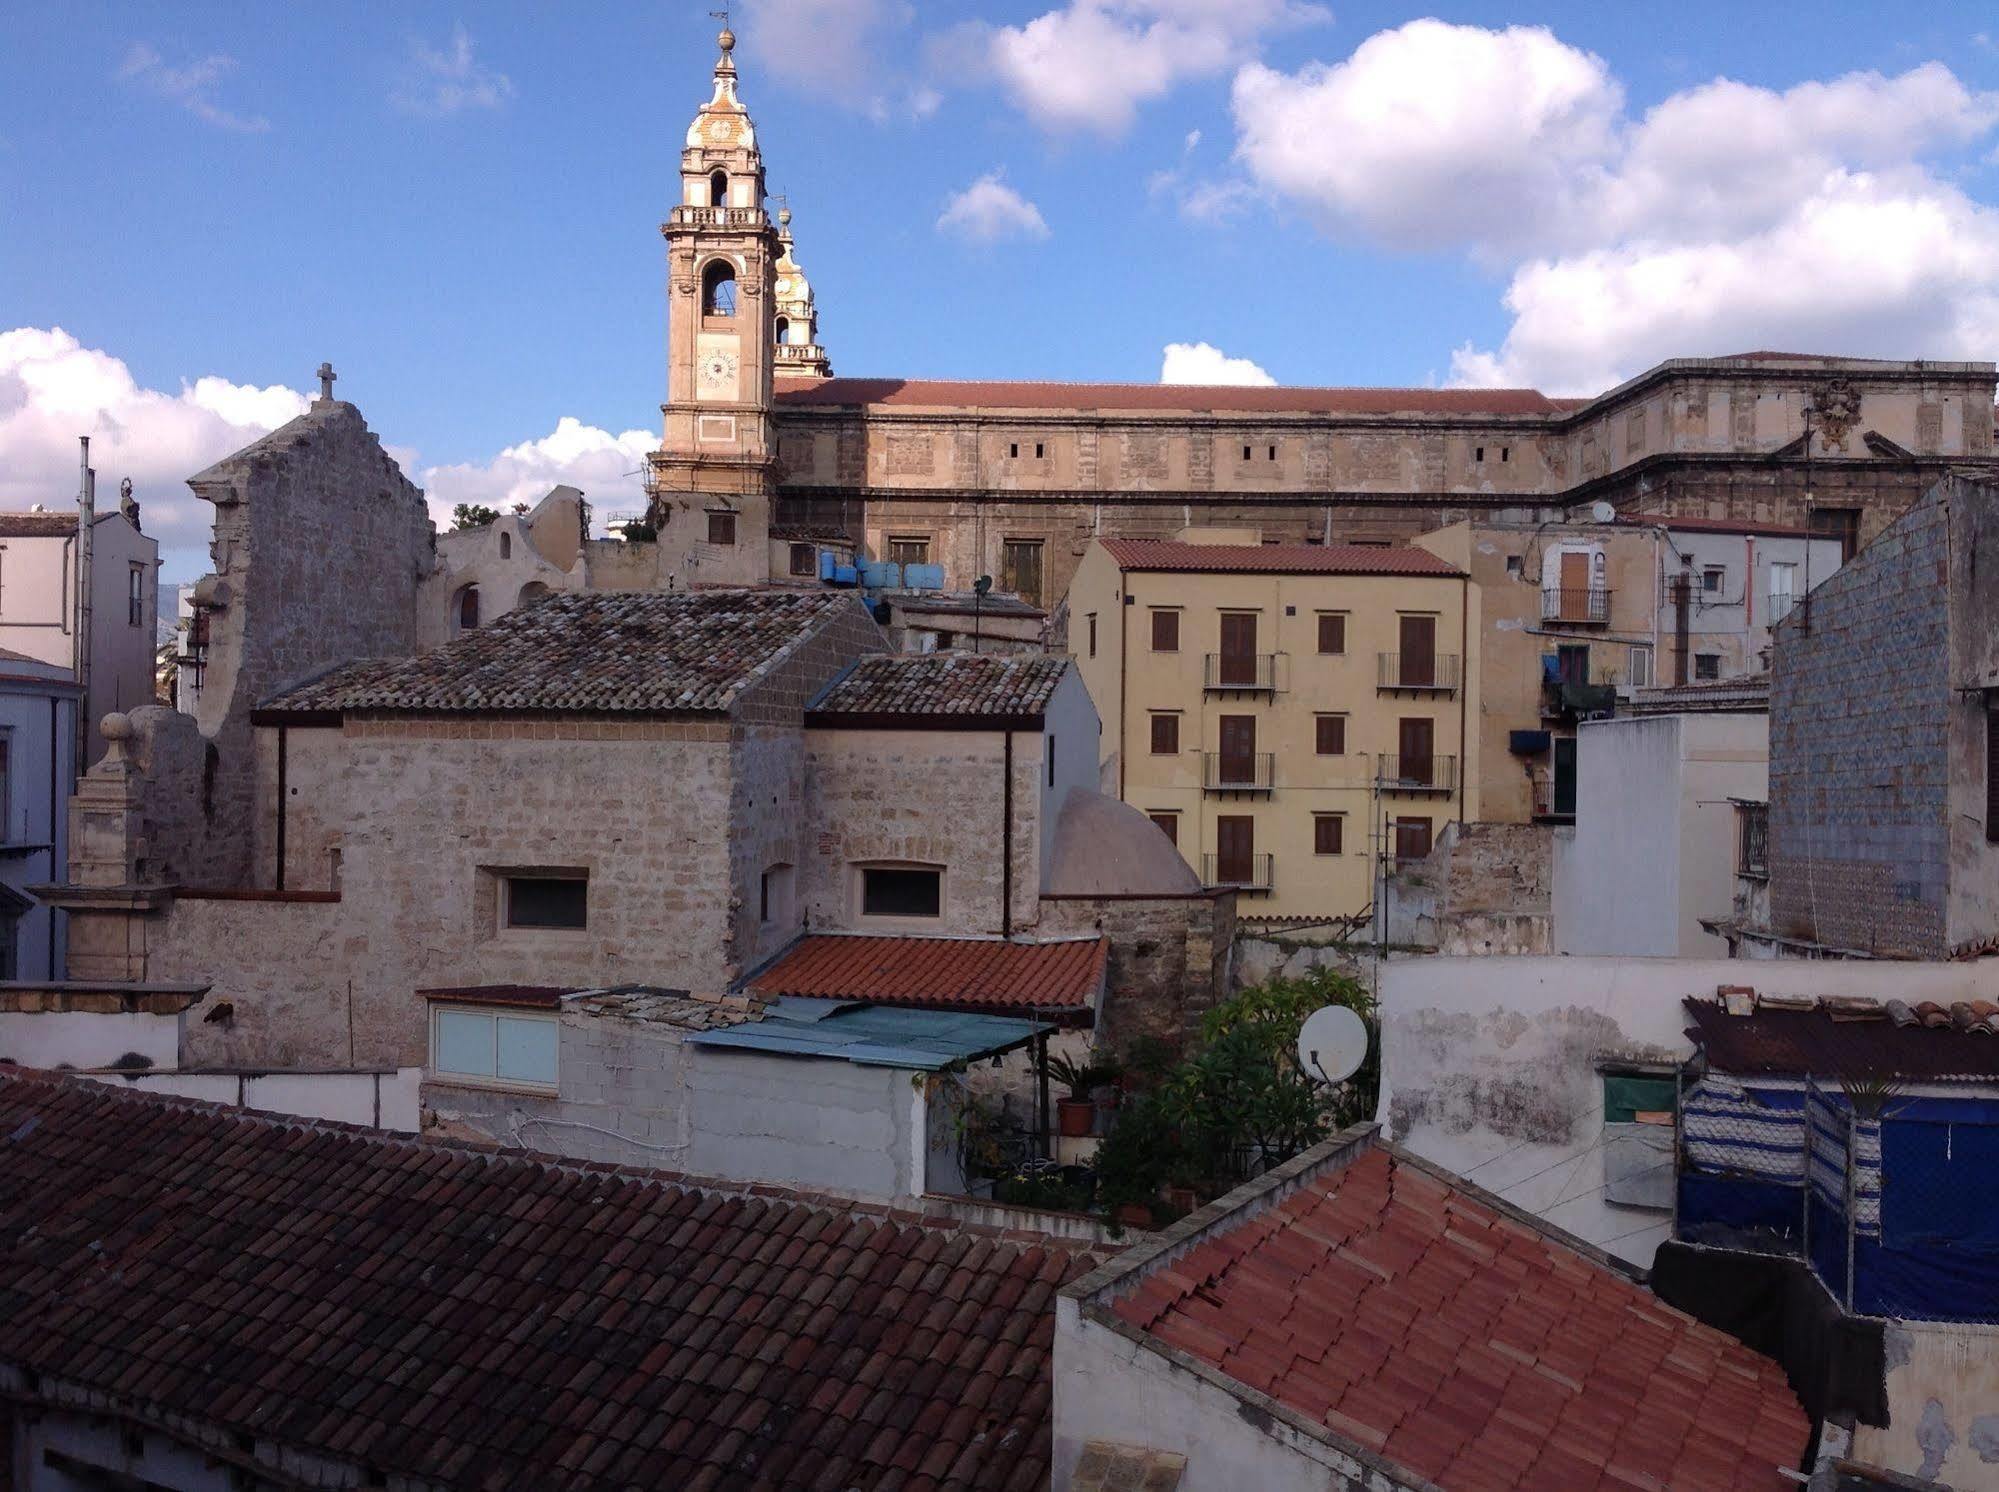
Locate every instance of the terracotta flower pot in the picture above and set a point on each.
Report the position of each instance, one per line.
(1075, 1117)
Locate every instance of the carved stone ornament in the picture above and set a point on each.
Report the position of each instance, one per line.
(1837, 406)
(684, 287)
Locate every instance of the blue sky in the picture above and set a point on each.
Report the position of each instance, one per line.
(459, 206)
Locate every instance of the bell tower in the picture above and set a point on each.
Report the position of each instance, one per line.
(799, 354)
(711, 481)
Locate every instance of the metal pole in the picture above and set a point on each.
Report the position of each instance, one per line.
(86, 516)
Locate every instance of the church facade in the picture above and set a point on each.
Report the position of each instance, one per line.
(767, 458)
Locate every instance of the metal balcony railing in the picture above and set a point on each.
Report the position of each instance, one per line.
(1416, 774)
(1752, 840)
(1252, 873)
(1435, 671)
(1586, 604)
(1226, 772)
(1552, 801)
(1248, 671)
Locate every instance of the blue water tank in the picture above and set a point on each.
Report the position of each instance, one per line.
(923, 577)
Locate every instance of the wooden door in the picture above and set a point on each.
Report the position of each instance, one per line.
(1412, 839)
(1416, 743)
(1419, 651)
(1238, 750)
(1235, 849)
(1238, 660)
(1575, 588)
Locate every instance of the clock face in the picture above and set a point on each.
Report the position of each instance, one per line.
(718, 370)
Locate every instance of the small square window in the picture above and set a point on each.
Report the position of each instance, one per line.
(1712, 578)
(1513, 564)
(1328, 833)
(1165, 631)
(901, 891)
(1332, 632)
(547, 902)
(804, 559)
(1165, 735)
(721, 528)
(1330, 734)
(1707, 665)
(1169, 825)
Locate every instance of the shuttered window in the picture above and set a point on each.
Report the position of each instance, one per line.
(1331, 734)
(1328, 833)
(1332, 632)
(1165, 735)
(1165, 631)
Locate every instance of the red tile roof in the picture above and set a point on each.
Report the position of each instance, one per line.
(1858, 1039)
(978, 974)
(490, 1320)
(1169, 397)
(973, 687)
(1276, 559)
(1408, 1316)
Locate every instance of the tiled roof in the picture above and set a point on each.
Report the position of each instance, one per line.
(970, 686)
(1170, 397)
(1721, 526)
(603, 652)
(963, 603)
(982, 974)
(497, 1320)
(37, 525)
(1406, 1315)
(1276, 559)
(1845, 1038)
(666, 1007)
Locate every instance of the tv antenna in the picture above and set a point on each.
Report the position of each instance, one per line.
(1332, 1044)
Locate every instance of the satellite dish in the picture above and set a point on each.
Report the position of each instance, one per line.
(1332, 1044)
(1603, 512)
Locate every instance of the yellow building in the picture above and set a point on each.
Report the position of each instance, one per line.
(1293, 717)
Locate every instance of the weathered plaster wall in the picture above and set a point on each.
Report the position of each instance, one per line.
(1489, 1065)
(1169, 962)
(381, 1100)
(1484, 888)
(1943, 1406)
(74, 1038)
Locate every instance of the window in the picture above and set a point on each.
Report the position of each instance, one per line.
(901, 891)
(135, 596)
(1513, 565)
(1039, 450)
(1020, 568)
(1013, 450)
(6, 786)
(718, 189)
(1328, 833)
(1169, 825)
(546, 901)
(721, 528)
(1245, 453)
(494, 1047)
(1165, 630)
(1711, 580)
(1273, 453)
(1478, 454)
(1165, 735)
(782, 334)
(1641, 665)
(468, 609)
(1752, 839)
(1842, 524)
(774, 889)
(1506, 453)
(1783, 588)
(506, 546)
(1330, 734)
(1638, 1138)
(1412, 839)
(804, 559)
(1051, 758)
(1332, 632)
(1707, 665)
(1092, 620)
(909, 549)
(718, 289)
(1992, 768)
(1572, 662)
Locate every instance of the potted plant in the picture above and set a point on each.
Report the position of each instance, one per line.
(1075, 1115)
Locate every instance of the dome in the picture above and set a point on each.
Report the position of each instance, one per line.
(1107, 848)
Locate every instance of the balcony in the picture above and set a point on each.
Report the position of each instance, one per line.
(1585, 606)
(1554, 799)
(793, 352)
(1563, 700)
(1248, 673)
(1250, 874)
(716, 217)
(1250, 772)
(1415, 774)
(1417, 673)
(1752, 840)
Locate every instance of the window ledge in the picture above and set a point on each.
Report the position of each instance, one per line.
(475, 1084)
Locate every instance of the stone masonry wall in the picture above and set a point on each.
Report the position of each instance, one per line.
(1169, 961)
(319, 546)
(1858, 765)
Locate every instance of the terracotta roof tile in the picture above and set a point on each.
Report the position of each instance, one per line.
(376, 1297)
(37, 525)
(1448, 1388)
(974, 974)
(603, 652)
(1276, 559)
(1175, 398)
(967, 686)
(1852, 1039)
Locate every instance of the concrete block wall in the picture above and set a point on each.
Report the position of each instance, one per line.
(1859, 770)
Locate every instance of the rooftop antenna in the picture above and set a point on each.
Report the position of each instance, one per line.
(1332, 1044)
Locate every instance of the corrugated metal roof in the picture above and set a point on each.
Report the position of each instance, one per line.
(1276, 559)
(1854, 1039)
(979, 974)
(875, 1036)
(1170, 397)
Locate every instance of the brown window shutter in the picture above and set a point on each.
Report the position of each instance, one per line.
(1169, 825)
(1332, 634)
(1165, 631)
(1332, 735)
(1165, 735)
(1328, 833)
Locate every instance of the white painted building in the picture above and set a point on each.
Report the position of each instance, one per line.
(37, 774)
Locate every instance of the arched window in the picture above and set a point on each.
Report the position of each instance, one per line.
(783, 331)
(468, 609)
(718, 289)
(506, 546)
(533, 591)
(718, 189)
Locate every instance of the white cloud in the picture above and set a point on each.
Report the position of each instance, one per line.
(1091, 64)
(191, 86)
(1727, 216)
(1198, 362)
(609, 468)
(845, 50)
(449, 80)
(989, 211)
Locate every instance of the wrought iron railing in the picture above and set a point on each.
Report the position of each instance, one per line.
(1438, 671)
(1416, 774)
(1752, 839)
(1580, 604)
(1228, 772)
(1238, 872)
(1257, 671)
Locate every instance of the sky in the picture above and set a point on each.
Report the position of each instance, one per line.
(459, 207)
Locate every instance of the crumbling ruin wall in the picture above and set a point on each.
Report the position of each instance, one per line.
(1169, 963)
(1484, 889)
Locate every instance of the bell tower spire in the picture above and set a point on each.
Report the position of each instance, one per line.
(711, 481)
(797, 330)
